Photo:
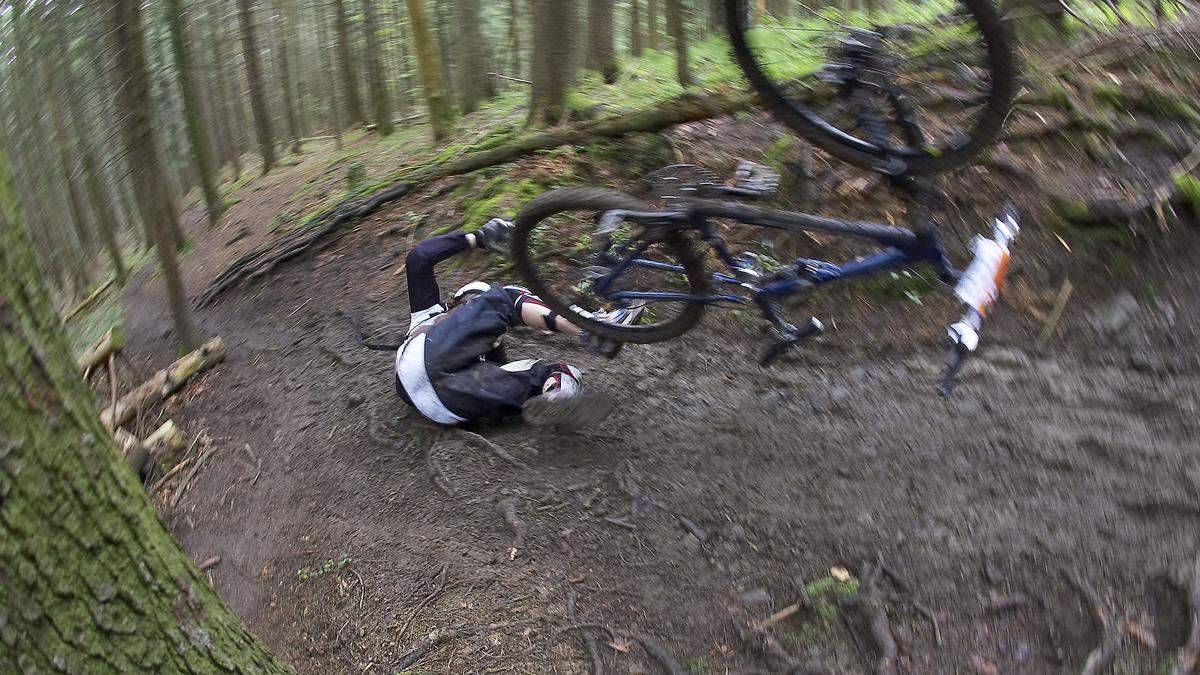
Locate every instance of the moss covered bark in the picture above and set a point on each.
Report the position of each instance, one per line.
(89, 579)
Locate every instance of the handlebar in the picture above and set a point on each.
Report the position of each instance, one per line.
(979, 288)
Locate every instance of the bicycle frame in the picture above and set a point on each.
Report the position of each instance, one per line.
(900, 248)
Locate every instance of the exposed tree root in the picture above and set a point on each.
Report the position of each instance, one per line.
(1189, 655)
(508, 510)
(589, 640)
(435, 471)
(660, 654)
(442, 585)
(870, 603)
(476, 439)
(1103, 655)
(438, 638)
(776, 654)
(262, 261)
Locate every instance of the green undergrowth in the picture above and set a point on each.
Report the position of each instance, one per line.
(89, 326)
(825, 596)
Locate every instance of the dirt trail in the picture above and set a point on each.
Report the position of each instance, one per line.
(1083, 458)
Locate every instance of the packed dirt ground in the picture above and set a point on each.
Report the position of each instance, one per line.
(729, 516)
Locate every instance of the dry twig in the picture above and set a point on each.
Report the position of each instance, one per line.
(589, 640)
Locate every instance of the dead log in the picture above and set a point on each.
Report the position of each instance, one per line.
(161, 447)
(110, 343)
(89, 300)
(262, 261)
(163, 384)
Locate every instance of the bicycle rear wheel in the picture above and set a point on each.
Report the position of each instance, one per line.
(952, 59)
(582, 273)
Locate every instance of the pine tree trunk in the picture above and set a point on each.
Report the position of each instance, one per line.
(92, 582)
(636, 38)
(154, 201)
(376, 79)
(66, 162)
(254, 78)
(193, 116)
(653, 39)
(514, 38)
(553, 66)
(430, 65)
(443, 39)
(220, 95)
(354, 108)
(475, 85)
(335, 120)
(600, 53)
(291, 117)
(234, 99)
(677, 27)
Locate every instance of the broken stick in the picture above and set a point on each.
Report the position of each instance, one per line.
(163, 384)
(110, 343)
(161, 447)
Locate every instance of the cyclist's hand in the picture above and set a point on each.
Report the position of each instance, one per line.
(495, 235)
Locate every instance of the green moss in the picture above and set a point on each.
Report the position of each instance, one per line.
(499, 198)
(1109, 95)
(356, 175)
(1189, 191)
(774, 155)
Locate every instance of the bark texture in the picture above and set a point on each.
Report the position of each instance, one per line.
(600, 53)
(429, 62)
(341, 24)
(380, 105)
(653, 34)
(254, 78)
(90, 581)
(554, 26)
(677, 26)
(284, 68)
(636, 39)
(474, 84)
(192, 115)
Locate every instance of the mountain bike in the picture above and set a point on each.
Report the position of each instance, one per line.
(586, 251)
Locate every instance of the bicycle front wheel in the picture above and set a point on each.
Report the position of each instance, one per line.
(586, 275)
(835, 76)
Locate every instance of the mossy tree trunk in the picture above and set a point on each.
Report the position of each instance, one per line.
(636, 39)
(132, 85)
(193, 116)
(553, 69)
(381, 106)
(341, 24)
(254, 78)
(677, 27)
(90, 581)
(653, 34)
(475, 85)
(279, 19)
(600, 52)
(429, 62)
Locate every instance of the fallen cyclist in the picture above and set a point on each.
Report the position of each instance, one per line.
(451, 367)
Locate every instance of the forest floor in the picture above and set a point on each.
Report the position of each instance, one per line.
(720, 492)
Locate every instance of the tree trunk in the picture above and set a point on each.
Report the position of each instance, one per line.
(141, 151)
(474, 83)
(350, 95)
(258, 98)
(92, 581)
(600, 53)
(716, 16)
(279, 20)
(514, 37)
(677, 27)
(778, 9)
(430, 65)
(442, 30)
(376, 79)
(653, 39)
(66, 161)
(334, 108)
(220, 96)
(635, 28)
(553, 70)
(193, 116)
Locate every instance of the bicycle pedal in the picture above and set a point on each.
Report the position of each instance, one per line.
(790, 338)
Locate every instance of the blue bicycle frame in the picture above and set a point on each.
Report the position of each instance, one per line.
(900, 248)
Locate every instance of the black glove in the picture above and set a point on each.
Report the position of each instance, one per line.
(495, 235)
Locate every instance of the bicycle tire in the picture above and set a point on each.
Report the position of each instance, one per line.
(864, 154)
(600, 200)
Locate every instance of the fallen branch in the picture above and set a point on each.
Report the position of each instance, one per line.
(89, 300)
(1056, 312)
(163, 384)
(161, 447)
(1102, 656)
(589, 640)
(187, 481)
(660, 654)
(110, 343)
(687, 108)
(510, 79)
(428, 599)
(508, 510)
(1189, 655)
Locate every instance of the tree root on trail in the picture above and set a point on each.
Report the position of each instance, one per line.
(435, 471)
(589, 640)
(758, 639)
(1103, 655)
(1189, 655)
(442, 585)
(680, 110)
(476, 439)
(437, 638)
(869, 603)
(653, 647)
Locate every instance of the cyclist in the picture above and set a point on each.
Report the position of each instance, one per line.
(451, 367)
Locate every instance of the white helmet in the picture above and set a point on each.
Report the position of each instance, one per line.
(473, 288)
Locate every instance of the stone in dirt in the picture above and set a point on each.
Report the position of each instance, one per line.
(1113, 318)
